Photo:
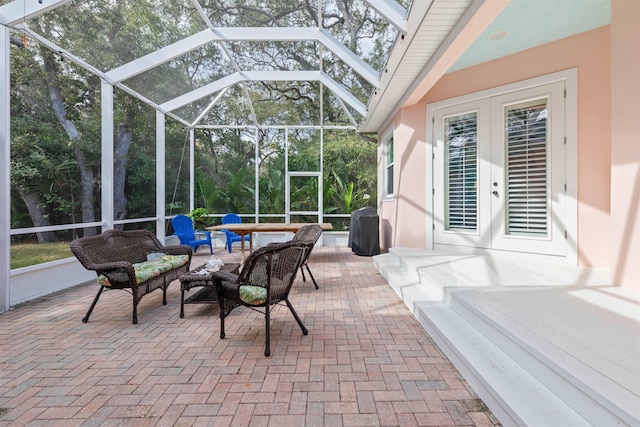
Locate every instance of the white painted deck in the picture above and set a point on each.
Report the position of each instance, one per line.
(543, 343)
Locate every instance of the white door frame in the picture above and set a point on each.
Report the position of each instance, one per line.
(570, 79)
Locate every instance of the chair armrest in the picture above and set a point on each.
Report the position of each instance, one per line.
(225, 276)
(117, 272)
(183, 238)
(177, 250)
(203, 233)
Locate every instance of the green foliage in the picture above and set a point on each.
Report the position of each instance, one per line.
(108, 34)
(200, 217)
(272, 186)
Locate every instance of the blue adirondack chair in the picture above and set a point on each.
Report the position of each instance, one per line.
(183, 228)
(232, 218)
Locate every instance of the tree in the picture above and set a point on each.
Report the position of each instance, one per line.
(109, 34)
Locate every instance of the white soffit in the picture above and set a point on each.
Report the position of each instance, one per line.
(438, 33)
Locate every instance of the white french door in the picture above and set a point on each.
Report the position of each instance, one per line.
(499, 173)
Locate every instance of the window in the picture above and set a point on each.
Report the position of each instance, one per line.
(461, 146)
(387, 153)
(526, 169)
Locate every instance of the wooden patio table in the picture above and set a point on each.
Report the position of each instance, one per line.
(243, 229)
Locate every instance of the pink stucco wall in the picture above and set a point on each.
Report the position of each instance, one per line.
(403, 220)
(625, 138)
(588, 52)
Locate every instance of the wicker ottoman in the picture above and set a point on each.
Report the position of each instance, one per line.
(208, 294)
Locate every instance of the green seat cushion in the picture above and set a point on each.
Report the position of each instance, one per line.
(253, 295)
(149, 269)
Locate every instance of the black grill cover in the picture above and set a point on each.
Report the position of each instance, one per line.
(363, 232)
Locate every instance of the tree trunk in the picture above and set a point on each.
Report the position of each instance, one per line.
(34, 203)
(86, 172)
(123, 143)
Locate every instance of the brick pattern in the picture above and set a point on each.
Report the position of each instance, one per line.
(365, 362)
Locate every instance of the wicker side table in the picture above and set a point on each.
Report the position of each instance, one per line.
(208, 294)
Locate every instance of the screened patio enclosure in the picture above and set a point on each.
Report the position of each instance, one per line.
(128, 87)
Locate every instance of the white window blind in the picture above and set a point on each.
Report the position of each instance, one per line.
(526, 174)
(461, 142)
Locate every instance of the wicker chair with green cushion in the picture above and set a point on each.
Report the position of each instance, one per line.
(264, 281)
(308, 233)
(135, 261)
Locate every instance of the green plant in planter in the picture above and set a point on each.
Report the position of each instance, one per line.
(200, 217)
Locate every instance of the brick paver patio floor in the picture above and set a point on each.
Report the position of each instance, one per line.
(365, 362)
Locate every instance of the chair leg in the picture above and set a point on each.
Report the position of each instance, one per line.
(267, 348)
(85, 319)
(182, 303)
(310, 275)
(222, 311)
(304, 330)
(135, 311)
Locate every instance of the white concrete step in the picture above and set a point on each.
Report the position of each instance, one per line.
(526, 378)
(597, 397)
(515, 397)
(403, 279)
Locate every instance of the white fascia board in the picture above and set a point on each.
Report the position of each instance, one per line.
(350, 58)
(392, 12)
(19, 11)
(344, 94)
(201, 92)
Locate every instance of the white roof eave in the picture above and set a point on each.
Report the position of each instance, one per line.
(440, 31)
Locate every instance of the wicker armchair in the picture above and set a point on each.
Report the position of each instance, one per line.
(265, 280)
(122, 260)
(308, 233)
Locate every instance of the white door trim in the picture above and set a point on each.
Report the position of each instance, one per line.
(570, 78)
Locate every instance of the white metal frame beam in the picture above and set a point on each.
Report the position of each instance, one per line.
(226, 51)
(107, 156)
(246, 76)
(251, 34)
(392, 12)
(161, 170)
(5, 169)
(20, 10)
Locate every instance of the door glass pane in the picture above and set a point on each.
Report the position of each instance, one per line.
(304, 194)
(526, 169)
(461, 143)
